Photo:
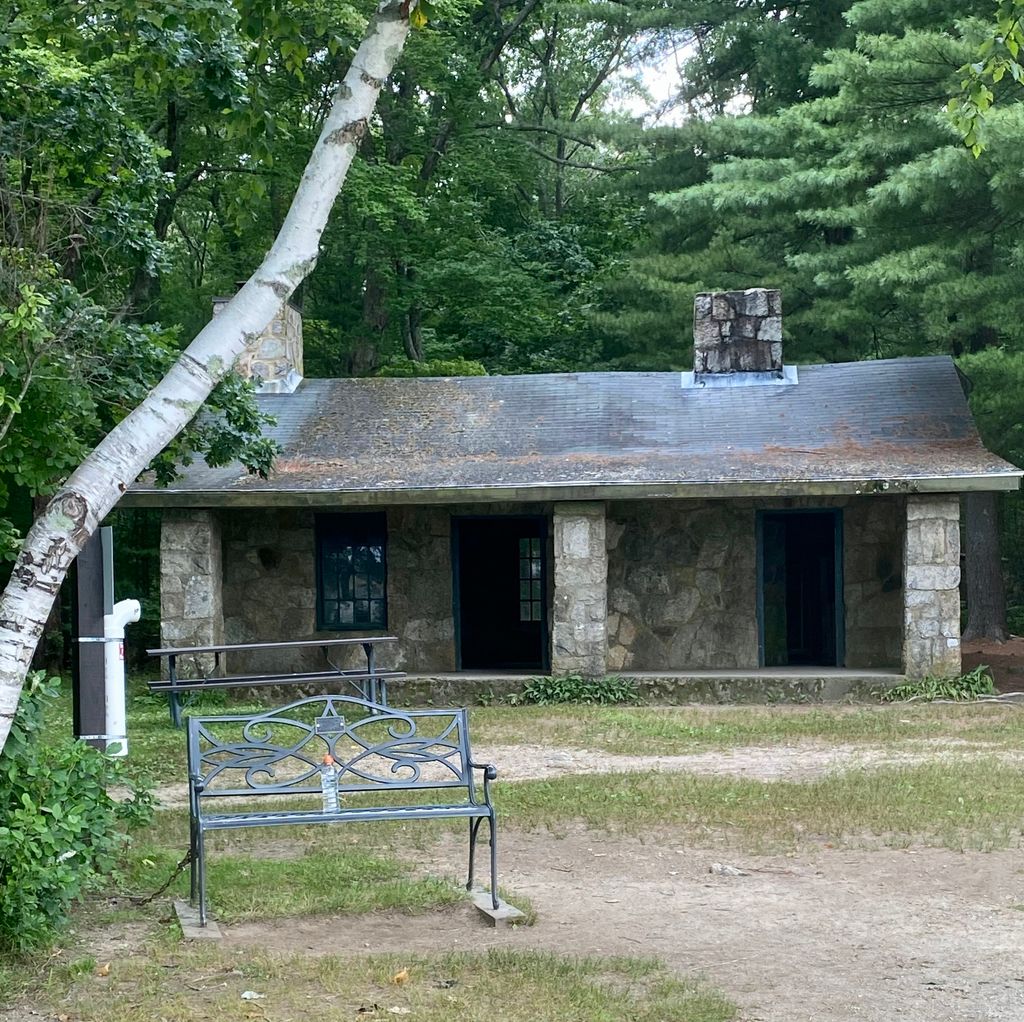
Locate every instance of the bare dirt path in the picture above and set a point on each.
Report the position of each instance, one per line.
(796, 762)
(921, 935)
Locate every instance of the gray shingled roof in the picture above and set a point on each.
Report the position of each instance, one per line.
(899, 424)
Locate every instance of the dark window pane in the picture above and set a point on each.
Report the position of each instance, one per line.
(535, 547)
(524, 547)
(536, 612)
(524, 590)
(524, 611)
(536, 590)
(351, 570)
(524, 569)
(535, 569)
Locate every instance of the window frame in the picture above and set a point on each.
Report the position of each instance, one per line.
(355, 529)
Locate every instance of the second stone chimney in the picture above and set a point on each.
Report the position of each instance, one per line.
(738, 332)
(274, 361)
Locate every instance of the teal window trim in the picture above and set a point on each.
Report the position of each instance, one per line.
(351, 572)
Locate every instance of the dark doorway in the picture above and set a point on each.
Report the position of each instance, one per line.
(501, 593)
(800, 592)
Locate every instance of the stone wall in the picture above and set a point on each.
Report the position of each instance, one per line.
(873, 530)
(931, 569)
(270, 589)
(681, 585)
(682, 582)
(190, 586)
(580, 609)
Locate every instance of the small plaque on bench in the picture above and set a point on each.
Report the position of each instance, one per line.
(331, 725)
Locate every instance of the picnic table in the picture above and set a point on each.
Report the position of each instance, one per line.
(370, 683)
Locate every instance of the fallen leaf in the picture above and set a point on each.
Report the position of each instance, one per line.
(251, 995)
(400, 977)
(399, 1010)
(63, 1018)
(103, 970)
(445, 984)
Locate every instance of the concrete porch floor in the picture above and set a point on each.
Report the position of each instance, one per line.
(763, 685)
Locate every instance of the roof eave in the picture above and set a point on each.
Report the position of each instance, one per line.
(268, 496)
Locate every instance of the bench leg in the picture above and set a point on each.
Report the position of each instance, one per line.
(201, 871)
(474, 826)
(494, 860)
(193, 857)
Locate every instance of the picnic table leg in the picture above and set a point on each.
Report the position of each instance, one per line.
(172, 698)
(370, 685)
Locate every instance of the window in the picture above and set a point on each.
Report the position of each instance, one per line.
(351, 576)
(531, 580)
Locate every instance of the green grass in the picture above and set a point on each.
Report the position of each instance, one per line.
(303, 881)
(978, 804)
(678, 730)
(176, 984)
(157, 751)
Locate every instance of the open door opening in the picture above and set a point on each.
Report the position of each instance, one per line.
(501, 577)
(800, 590)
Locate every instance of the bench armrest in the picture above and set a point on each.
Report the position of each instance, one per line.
(489, 769)
(490, 773)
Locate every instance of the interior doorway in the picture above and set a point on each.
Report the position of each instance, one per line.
(501, 587)
(800, 590)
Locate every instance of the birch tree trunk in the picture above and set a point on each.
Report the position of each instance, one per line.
(97, 484)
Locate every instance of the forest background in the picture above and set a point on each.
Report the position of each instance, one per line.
(523, 203)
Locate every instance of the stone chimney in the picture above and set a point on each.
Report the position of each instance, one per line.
(274, 362)
(738, 332)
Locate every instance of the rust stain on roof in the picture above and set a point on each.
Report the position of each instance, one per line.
(899, 419)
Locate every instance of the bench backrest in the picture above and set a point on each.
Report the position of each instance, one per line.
(281, 751)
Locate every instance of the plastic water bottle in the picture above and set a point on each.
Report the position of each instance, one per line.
(329, 784)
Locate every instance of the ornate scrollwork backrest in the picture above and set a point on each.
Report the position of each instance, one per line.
(374, 747)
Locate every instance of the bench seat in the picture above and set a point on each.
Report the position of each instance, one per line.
(393, 814)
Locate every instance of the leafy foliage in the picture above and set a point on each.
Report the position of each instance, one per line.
(60, 830)
(967, 686)
(571, 688)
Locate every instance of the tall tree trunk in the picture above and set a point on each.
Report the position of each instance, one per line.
(96, 485)
(983, 570)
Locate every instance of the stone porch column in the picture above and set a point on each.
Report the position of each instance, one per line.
(931, 586)
(579, 638)
(191, 583)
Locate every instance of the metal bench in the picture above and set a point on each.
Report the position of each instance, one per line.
(376, 751)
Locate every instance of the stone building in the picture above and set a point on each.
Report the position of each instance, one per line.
(748, 518)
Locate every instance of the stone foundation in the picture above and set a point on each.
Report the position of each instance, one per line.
(931, 571)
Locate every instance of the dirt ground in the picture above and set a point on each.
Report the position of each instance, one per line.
(920, 935)
(1005, 659)
(865, 935)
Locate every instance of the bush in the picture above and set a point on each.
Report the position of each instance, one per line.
(60, 831)
(1015, 620)
(968, 686)
(571, 688)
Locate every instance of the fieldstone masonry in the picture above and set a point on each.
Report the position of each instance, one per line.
(190, 586)
(275, 360)
(579, 636)
(931, 574)
(738, 331)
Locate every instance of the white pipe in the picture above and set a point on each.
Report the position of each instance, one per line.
(124, 613)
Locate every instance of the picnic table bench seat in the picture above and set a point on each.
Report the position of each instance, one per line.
(377, 752)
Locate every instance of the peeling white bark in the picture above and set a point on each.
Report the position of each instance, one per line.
(95, 487)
